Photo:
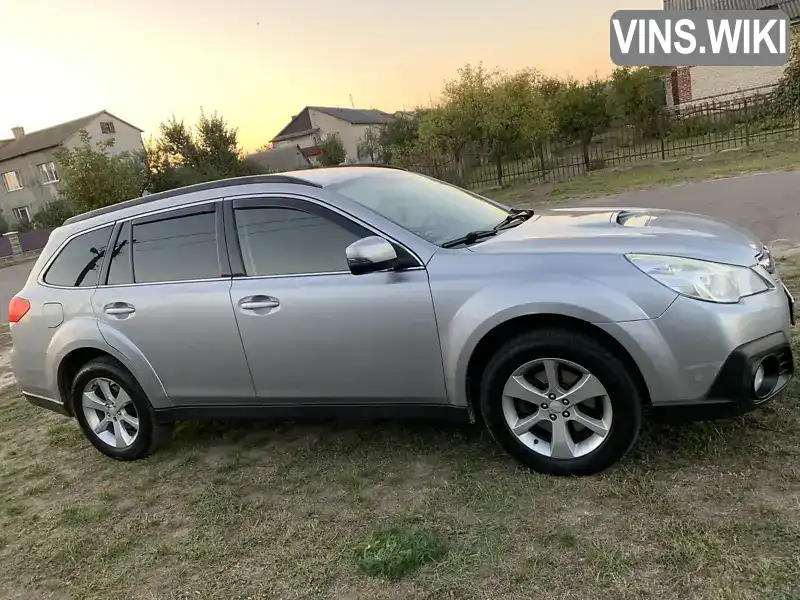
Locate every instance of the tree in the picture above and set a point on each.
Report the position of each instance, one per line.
(580, 111)
(460, 120)
(52, 215)
(333, 152)
(183, 155)
(517, 117)
(369, 146)
(92, 177)
(786, 97)
(399, 137)
(637, 96)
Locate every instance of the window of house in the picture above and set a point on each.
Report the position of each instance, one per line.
(107, 127)
(12, 181)
(176, 246)
(48, 172)
(287, 241)
(79, 263)
(22, 214)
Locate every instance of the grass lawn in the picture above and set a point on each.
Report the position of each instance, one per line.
(405, 511)
(778, 156)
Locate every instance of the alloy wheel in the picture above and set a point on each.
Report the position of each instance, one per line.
(110, 413)
(557, 408)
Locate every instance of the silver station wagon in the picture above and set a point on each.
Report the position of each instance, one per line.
(377, 293)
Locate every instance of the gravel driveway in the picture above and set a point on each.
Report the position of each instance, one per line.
(766, 203)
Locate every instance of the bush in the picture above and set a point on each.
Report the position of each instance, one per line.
(597, 164)
(333, 152)
(52, 215)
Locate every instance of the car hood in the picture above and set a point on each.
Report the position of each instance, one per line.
(597, 230)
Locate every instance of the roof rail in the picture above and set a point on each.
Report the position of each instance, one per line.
(198, 187)
(370, 164)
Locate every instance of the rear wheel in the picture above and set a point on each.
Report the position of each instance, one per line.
(560, 402)
(114, 412)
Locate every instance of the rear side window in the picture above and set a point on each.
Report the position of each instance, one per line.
(79, 263)
(175, 246)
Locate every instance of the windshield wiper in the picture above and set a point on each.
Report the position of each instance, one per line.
(515, 215)
(473, 236)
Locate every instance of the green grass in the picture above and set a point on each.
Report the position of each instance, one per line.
(784, 155)
(706, 511)
(395, 551)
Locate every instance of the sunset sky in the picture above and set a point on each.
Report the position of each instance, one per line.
(257, 63)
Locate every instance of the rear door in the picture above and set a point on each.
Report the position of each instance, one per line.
(167, 296)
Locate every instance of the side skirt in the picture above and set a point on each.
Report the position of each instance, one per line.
(344, 412)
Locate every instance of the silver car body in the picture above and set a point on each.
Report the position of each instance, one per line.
(401, 338)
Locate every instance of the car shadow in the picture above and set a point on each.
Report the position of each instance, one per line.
(661, 444)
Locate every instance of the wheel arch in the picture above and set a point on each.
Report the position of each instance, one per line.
(71, 364)
(73, 346)
(501, 333)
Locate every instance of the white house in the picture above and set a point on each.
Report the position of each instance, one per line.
(315, 123)
(28, 172)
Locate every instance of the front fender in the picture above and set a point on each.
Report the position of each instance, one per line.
(582, 299)
(85, 332)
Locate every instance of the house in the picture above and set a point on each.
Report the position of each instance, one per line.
(314, 124)
(27, 161)
(285, 158)
(687, 85)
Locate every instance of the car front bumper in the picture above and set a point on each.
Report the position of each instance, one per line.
(706, 355)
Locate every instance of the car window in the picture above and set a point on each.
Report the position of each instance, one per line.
(79, 263)
(287, 241)
(119, 270)
(175, 247)
(434, 210)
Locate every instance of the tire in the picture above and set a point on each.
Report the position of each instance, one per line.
(150, 433)
(617, 413)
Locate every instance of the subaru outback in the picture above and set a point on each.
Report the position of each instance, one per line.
(378, 293)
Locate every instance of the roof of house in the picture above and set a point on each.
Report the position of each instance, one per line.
(790, 7)
(301, 123)
(49, 137)
(286, 158)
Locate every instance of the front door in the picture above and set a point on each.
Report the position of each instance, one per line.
(167, 295)
(313, 332)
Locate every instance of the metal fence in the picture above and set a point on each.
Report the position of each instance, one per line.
(712, 125)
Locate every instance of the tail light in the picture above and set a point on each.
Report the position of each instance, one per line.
(17, 308)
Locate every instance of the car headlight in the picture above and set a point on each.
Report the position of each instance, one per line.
(701, 279)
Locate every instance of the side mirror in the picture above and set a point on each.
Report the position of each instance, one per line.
(370, 254)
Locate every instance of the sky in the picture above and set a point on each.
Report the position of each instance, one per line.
(257, 63)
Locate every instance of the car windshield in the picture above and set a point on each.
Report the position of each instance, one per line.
(435, 211)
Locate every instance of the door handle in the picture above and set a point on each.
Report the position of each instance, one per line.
(119, 309)
(258, 303)
(254, 305)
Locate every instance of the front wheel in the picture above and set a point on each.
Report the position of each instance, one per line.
(560, 403)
